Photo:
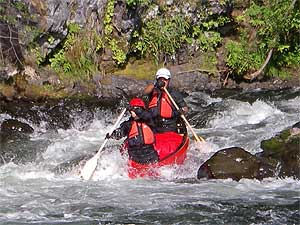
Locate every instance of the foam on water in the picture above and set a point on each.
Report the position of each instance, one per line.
(244, 113)
(31, 193)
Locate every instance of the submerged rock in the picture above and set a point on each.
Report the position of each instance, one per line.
(73, 165)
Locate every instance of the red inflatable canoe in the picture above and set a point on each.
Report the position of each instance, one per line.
(172, 149)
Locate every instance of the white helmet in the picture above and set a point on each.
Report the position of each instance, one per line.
(163, 72)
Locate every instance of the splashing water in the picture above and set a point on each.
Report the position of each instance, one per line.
(31, 193)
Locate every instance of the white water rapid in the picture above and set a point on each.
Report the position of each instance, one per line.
(31, 194)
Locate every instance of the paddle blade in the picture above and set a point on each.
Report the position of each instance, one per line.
(89, 168)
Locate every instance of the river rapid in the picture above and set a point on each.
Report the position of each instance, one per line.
(30, 193)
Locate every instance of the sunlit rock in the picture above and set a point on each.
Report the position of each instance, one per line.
(283, 150)
(234, 163)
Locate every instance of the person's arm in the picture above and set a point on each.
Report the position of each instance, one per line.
(120, 132)
(143, 114)
(178, 98)
(148, 89)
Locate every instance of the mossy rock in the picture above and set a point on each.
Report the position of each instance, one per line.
(139, 69)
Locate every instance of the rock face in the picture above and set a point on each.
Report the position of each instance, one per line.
(280, 158)
(44, 28)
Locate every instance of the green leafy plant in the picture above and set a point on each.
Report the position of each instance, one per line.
(162, 36)
(108, 28)
(75, 58)
(132, 3)
(270, 36)
(118, 55)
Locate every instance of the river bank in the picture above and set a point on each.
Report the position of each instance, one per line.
(121, 85)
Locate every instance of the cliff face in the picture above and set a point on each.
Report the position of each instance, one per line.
(62, 47)
(43, 26)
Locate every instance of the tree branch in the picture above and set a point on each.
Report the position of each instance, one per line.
(258, 72)
(12, 44)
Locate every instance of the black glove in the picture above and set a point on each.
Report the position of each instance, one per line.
(138, 111)
(159, 84)
(107, 136)
(129, 108)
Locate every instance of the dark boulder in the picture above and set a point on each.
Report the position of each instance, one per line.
(16, 145)
(234, 163)
(280, 158)
(11, 128)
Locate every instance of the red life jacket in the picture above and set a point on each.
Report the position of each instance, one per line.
(143, 130)
(164, 105)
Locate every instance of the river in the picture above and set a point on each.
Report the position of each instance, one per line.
(30, 193)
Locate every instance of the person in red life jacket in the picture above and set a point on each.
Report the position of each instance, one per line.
(140, 137)
(164, 113)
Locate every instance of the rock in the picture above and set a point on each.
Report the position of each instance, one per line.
(9, 44)
(235, 163)
(12, 127)
(280, 157)
(15, 144)
(284, 151)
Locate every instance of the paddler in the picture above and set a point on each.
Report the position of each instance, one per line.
(139, 136)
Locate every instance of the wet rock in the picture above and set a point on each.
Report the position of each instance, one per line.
(21, 150)
(14, 135)
(280, 158)
(12, 127)
(283, 150)
(121, 86)
(235, 163)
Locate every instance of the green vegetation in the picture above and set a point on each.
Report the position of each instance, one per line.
(165, 35)
(77, 56)
(269, 39)
(132, 3)
(118, 54)
(162, 36)
(18, 6)
(75, 59)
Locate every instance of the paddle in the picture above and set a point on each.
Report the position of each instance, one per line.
(90, 166)
(198, 138)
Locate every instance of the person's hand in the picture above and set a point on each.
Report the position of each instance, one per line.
(183, 110)
(133, 114)
(129, 108)
(138, 111)
(107, 136)
(160, 83)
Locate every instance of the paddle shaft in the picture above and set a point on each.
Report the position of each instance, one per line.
(91, 165)
(112, 130)
(198, 138)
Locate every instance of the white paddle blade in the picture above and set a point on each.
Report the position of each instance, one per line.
(90, 166)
